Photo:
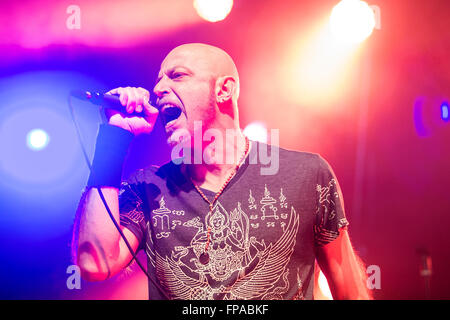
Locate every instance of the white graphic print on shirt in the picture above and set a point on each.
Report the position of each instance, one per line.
(241, 266)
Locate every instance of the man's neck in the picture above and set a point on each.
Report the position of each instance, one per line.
(219, 161)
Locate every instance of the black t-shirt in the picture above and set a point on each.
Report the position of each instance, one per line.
(262, 229)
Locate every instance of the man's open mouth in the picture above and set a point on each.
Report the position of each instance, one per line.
(170, 113)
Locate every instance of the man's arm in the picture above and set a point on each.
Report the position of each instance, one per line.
(97, 247)
(100, 251)
(343, 269)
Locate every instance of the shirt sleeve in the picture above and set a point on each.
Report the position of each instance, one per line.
(330, 214)
(131, 210)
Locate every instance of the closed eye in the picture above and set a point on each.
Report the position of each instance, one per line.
(177, 75)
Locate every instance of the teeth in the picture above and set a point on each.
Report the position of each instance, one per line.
(168, 105)
(171, 112)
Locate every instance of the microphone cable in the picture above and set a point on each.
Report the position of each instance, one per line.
(88, 162)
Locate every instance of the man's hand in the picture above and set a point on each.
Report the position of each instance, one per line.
(136, 100)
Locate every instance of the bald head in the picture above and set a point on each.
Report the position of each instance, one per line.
(209, 60)
(203, 82)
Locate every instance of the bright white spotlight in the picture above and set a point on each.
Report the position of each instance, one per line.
(37, 139)
(256, 131)
(213, 10)
(352, 21)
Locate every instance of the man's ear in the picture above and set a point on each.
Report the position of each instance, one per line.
(225, 89)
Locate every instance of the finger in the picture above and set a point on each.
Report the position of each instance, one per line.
(110, 112)
(131, 103)
(146, 96)
(150, 112)
(114, 91)
(144, 92)
(123, 96)
(140, 97)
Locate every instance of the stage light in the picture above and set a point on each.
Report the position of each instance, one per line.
(444, 111)
(213, 10)
(41, 165)
(322, 65)
(318, 71)
(38, 144)
(37, 139)
(256, 131)
(352, 21)
(37, 162)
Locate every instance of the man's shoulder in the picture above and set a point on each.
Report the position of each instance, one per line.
(155, 174)
(294, 156)
(143, 175)
(281, 161)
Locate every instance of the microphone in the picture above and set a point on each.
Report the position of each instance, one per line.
(105, 100)
(111, 101)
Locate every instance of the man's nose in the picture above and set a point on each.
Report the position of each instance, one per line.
(161, 88)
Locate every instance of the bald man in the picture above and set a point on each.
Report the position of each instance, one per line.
(211, 224)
